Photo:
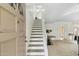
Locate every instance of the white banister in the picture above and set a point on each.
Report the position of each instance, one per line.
(45, 37)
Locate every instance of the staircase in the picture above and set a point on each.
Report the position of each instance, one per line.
(38, 41)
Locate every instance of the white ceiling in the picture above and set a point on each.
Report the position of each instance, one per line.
(59, 11)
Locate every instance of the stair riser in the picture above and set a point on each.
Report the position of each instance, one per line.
(39, 45)
(36, 34)
(36, 40)
(37, 30)
(36, 27)
(30, 48)
(36, 50)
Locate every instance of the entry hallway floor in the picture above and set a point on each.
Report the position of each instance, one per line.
(63, 48)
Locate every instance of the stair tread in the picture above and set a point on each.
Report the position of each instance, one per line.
(36, 33)
(36, 30)
(35, 54)
(36, 43)
(37, 24)
(36, 27)
(36, 37)
(36, 47)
